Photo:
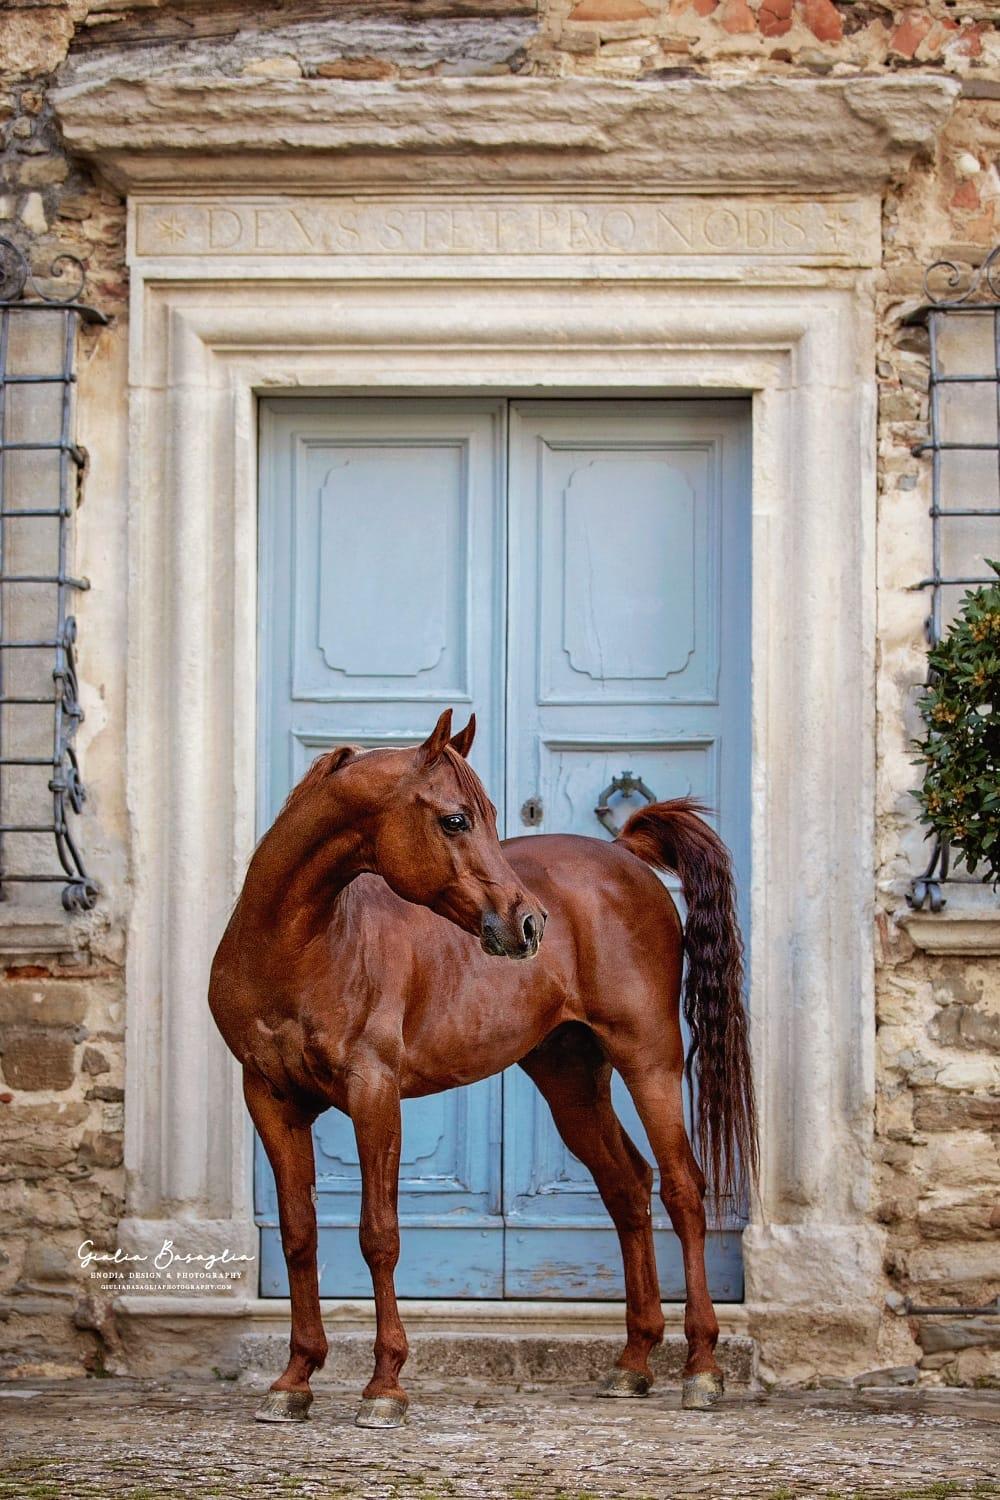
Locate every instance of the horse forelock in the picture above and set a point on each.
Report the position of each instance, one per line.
(470, 783)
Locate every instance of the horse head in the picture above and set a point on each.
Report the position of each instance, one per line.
(435, 843)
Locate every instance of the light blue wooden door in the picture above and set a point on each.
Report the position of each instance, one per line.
(382, 543)
(608, 632)
(629, 585)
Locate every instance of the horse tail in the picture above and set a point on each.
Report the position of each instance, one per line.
(672, 836)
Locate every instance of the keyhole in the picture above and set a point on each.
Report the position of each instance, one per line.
(531, 812)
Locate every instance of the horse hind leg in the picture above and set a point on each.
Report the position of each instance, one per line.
(658, 1098)
(286, 1132)
(573, 1075)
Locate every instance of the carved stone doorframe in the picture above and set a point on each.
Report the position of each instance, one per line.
(417, 288)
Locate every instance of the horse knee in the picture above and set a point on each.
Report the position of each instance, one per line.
(299, 1238)
(379, 1244)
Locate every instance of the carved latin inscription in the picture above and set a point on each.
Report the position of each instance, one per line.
(677, 226)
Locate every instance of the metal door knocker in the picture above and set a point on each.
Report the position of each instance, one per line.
(621, 786)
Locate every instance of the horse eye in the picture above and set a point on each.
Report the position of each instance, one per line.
(455, 823)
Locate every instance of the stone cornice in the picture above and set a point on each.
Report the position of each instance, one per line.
(824, 136)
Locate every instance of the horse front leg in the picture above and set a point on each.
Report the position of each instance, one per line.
(286, 1131)
(373, 1104)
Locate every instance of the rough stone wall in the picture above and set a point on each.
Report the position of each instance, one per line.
(938, 1120)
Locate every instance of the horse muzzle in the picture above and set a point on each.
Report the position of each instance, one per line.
(518, 938)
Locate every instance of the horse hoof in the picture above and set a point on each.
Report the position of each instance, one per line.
(381, 1411)
(284, 1406)
(623, 1383)
(702, 1391)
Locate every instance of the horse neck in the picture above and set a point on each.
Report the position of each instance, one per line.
(314, 849)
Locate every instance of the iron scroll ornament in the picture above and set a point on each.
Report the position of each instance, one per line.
(621, 786)
(17, 277)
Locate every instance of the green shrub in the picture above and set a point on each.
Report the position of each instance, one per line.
(960, 753)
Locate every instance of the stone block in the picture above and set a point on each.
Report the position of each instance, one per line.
(47, 1261)
(34, 1158)
(736, 17)
(774, 17)
(967, 1026)
(939, 1335)
(959, 1166)
(978, 1367)
(101, 1149)
(24, 1120)
(610, 10)
(963, 1272)
(896, 1375)
(107, 1093)
(34, 41)
(76, 206)
(37, 1057)
(823, 20)
(273, 67)
(33, 213)
(46, 1002)
(899, 406)
(968, 1220)
(936, 1110)
(355, 67)
(42, 171)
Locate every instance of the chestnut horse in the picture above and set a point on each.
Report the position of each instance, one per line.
(334, 986)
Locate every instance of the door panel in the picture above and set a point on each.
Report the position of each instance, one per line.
(628, 533)
(609, 633)
(381, 545)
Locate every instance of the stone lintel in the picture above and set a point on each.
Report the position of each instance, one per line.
(255, 135)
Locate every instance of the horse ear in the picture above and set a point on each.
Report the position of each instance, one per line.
(462, 741)
(334, 759)
(433, 746)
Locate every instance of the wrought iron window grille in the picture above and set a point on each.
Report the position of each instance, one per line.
(950, 291)
(24, 295)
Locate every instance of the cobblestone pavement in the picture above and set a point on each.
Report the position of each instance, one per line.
(136, 1440)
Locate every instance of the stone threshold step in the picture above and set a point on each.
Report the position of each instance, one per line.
(507, 1357)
